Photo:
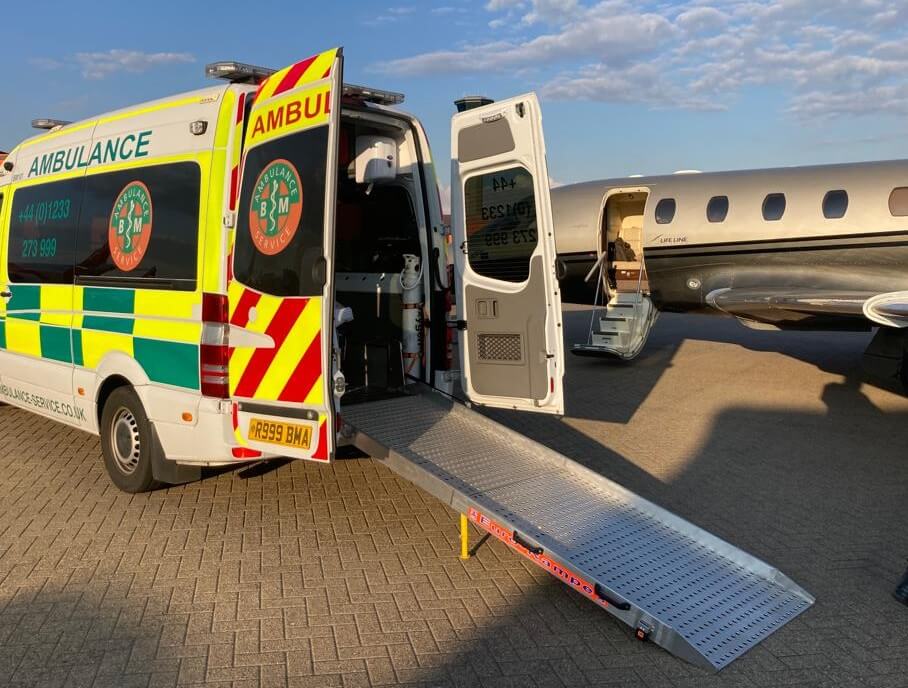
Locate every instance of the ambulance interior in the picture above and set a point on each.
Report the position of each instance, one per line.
(378, 253)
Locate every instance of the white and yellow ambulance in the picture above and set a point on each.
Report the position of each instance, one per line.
(208, 278)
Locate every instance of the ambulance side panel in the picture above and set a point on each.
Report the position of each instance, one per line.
(44, 199)
(143, 322)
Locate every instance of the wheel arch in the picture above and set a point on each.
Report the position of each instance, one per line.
(117, 369)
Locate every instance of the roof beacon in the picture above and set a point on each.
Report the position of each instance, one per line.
(48, 123)
(238, 72)
(242, 73)
(377, 96)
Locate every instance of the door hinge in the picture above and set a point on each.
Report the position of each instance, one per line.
(463, 248)
(458, 324)
(229, 219)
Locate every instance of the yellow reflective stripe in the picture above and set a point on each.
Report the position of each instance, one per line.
(171, 330)
(96, 345)
(158, 107)
(36, 181)
(185, 305)
(225, 119)
(68, 129)
(56, 304)
(78, 307)
(23, 336)
(288, 356)
(203, 158)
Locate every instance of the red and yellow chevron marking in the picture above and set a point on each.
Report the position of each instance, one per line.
(304, 72)
(291, 370)
(293, 99)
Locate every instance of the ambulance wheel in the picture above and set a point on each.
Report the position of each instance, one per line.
(127, 442)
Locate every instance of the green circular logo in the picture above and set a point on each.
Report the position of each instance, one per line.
(130, 226)
(276, 207)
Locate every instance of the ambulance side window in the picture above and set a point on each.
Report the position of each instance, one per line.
(141, 226)
(42, 231)
(501, 223)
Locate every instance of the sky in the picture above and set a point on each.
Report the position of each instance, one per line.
(626, 87)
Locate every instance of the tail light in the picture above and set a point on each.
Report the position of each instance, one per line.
(214, 353)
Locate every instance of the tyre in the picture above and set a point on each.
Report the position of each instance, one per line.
(128, 442)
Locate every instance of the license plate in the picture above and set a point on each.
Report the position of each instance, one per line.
(280, 432)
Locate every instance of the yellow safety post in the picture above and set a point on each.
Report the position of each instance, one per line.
(464, 537)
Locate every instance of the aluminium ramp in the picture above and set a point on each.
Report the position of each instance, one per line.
(694, 594)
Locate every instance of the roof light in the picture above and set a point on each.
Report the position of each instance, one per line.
(373, 95)
(238, 72)
(49, 123)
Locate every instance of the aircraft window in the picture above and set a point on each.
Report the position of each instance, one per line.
(835, 203)
(898, 201)
(773, 207)
(665, 211)
(717, 209)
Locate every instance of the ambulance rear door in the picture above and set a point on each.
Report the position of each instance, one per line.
(509, 307)
(281, 295)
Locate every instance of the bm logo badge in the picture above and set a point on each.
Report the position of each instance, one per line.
(130, 226)
(276, 208)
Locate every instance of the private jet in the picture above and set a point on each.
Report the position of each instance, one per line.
(821, 248)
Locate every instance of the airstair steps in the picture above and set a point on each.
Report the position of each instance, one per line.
(690, 592)
(624, 322)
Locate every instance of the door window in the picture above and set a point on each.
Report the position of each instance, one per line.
(280, 227)
(501, 228)
(42, 230)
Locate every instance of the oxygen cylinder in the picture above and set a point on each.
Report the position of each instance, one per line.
(412, 296)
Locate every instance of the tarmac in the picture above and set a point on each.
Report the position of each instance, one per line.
(346, 575)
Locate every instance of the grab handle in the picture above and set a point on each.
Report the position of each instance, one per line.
(603, 595)
(533, 549)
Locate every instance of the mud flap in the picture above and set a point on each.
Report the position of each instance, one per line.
(170, 472)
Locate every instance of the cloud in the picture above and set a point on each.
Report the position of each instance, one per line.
(100, 65)
(828, 57)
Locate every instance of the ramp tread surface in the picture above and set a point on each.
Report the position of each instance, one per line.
(719, 600)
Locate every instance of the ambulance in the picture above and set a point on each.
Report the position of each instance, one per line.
(212, 278)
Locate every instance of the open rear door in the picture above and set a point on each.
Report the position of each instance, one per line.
(281, 297)
(511, 349)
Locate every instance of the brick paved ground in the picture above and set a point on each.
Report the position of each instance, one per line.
(348, 576)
